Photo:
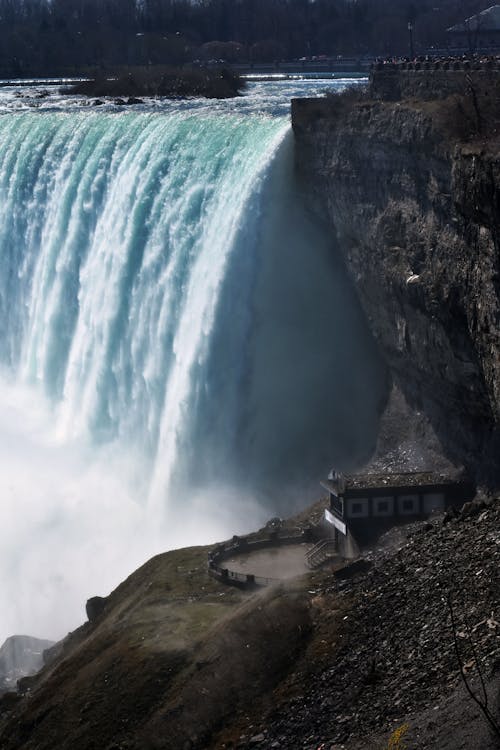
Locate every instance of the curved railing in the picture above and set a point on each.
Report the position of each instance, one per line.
(239, 545)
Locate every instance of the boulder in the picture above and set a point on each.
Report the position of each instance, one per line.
(95, 606)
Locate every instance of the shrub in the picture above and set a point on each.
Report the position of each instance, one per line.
(396, 741)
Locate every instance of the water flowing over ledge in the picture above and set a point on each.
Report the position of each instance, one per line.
(178, 319)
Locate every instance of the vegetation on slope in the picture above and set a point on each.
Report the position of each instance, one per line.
(173, 655)
(164, 81)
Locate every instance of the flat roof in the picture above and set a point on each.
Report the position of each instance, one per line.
(406, 479)
(487, 20)
(379, 480)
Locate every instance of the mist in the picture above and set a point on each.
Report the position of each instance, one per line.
(74, 519)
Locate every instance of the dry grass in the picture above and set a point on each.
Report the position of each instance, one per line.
(472, 117)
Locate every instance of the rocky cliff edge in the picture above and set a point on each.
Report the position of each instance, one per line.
(411, 190)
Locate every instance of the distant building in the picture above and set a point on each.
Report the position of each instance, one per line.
(364, 506)
(479, 33)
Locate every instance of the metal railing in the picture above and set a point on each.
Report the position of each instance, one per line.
(321, 552)
(437, 65)
(239, 545)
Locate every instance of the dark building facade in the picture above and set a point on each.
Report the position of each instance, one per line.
(367, 505)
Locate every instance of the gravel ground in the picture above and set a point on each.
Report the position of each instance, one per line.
(397, 662)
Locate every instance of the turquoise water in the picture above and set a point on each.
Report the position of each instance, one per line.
(182, 355)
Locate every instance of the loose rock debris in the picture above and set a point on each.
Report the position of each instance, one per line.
(397, 655)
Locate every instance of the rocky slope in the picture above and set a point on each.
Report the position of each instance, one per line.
(392, 658)
(411, 190)
(177, 660)
(167, 660)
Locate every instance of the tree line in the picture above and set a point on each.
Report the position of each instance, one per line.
(49, 38)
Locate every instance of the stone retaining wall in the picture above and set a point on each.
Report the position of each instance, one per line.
(431, 80)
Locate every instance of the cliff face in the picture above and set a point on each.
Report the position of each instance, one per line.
(415, 214)
(20, 655)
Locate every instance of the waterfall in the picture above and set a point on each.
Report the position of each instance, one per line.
(172, 315)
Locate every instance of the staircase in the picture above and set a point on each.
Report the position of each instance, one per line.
(321, 552)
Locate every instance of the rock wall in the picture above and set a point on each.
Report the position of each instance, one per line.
(416, 217)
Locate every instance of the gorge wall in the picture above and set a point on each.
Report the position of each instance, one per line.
(413, 197)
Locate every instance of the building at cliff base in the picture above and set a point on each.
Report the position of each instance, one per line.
(364, 506)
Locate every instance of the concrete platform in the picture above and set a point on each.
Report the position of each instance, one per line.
(277, 562)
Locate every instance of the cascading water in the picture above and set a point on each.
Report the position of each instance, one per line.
(181, 353)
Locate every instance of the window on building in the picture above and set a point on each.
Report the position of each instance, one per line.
(383, 506)
(337, 505)
(408, 504)
(358, 507)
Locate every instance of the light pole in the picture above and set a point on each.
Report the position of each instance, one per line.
(410, 33)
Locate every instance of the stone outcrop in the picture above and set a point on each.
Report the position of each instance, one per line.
(94, 607)
(415, 213)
